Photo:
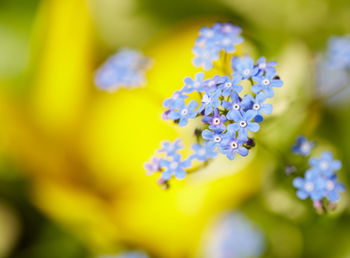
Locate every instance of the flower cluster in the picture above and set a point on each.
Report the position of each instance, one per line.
(338, 52)
(228, 117)
(126, 68)
(319, 181)
(221, 36)
(235, 236)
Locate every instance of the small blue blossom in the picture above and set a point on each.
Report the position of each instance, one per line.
(175, 167)
(209, 101)
(183, 112)
(126, 69)
(333, 188)
(243, 122)
(194, 85)
(244, 66)
(325, 164)
(169, 148)
(266, 66)
(230, 145)
(203, 152)
(216, 121)
(211, 85)
(228, 86)
(302, 146)
(338, 52)
(235, 236)
(266, 82)
(171, 102)
(205, 56)
(313, 185)
(233, 105)
(213, 136)
(257, 104)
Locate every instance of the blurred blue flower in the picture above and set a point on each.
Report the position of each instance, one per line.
(325, 164)
(194, 85)
(243, 122)
(126, 69)
(152, 166)
(215, 121)
(204, 152)
(183, 112)
(244, 66)
(302, 146)
(266, 82)
(230, 145)
(205, 56)
(264, 66)
(333, 188)
(234, 236)
(171, 102)
(338, 52)
(257, 104)
(175, 167)
(313, 185)
(209, 101)
(169, 148)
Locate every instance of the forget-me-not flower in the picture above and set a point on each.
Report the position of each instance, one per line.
(183, 112)
(302, 146)
(243, 122)
(265, 83)
(203, 152)
(175, 167)
(325, 164)
(244, 66)
(230, 145)
(215, 121)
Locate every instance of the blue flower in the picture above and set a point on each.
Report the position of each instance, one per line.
(235, 236)
(266, 82)
(174, 167)
(257, 104)
(211, 85)
(194, 85)
(126, 68)
(313, 185)
(302, 146)
(230, 145)
(228, 86)
(169, 148)
(209, 102)
(243, 122)
(244, 66)
(233, 105)
(204, 152)
(213, 136)
(338, 52)
(216, 121)
(205, 56)
(325, 164)
(183, 112)
(333, 188)
(171, 102)
(266, 66)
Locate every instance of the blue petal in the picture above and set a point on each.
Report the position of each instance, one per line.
(207, 134)
(166, 175)
(253, 127)
(242, 151)
(302, 195)
(180, 173)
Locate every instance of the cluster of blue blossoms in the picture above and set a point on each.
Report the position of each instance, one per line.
(320, 181)
(125, 69)
(227, 116)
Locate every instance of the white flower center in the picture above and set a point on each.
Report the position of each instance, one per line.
(256, 107)
(216, 121)
(234, 145)
(309, 187)
(226, 41)
(262, 65)
(330, 185)
(228, 84)
(236, 107)
(265, 82)
(217, 138)
(173, 165)
(211, 83)
(305, 147)
(209, 33)
(196, 85)
(243, 123)
(184, 112)
(324, 165)
(246, 72)
(202, 152)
